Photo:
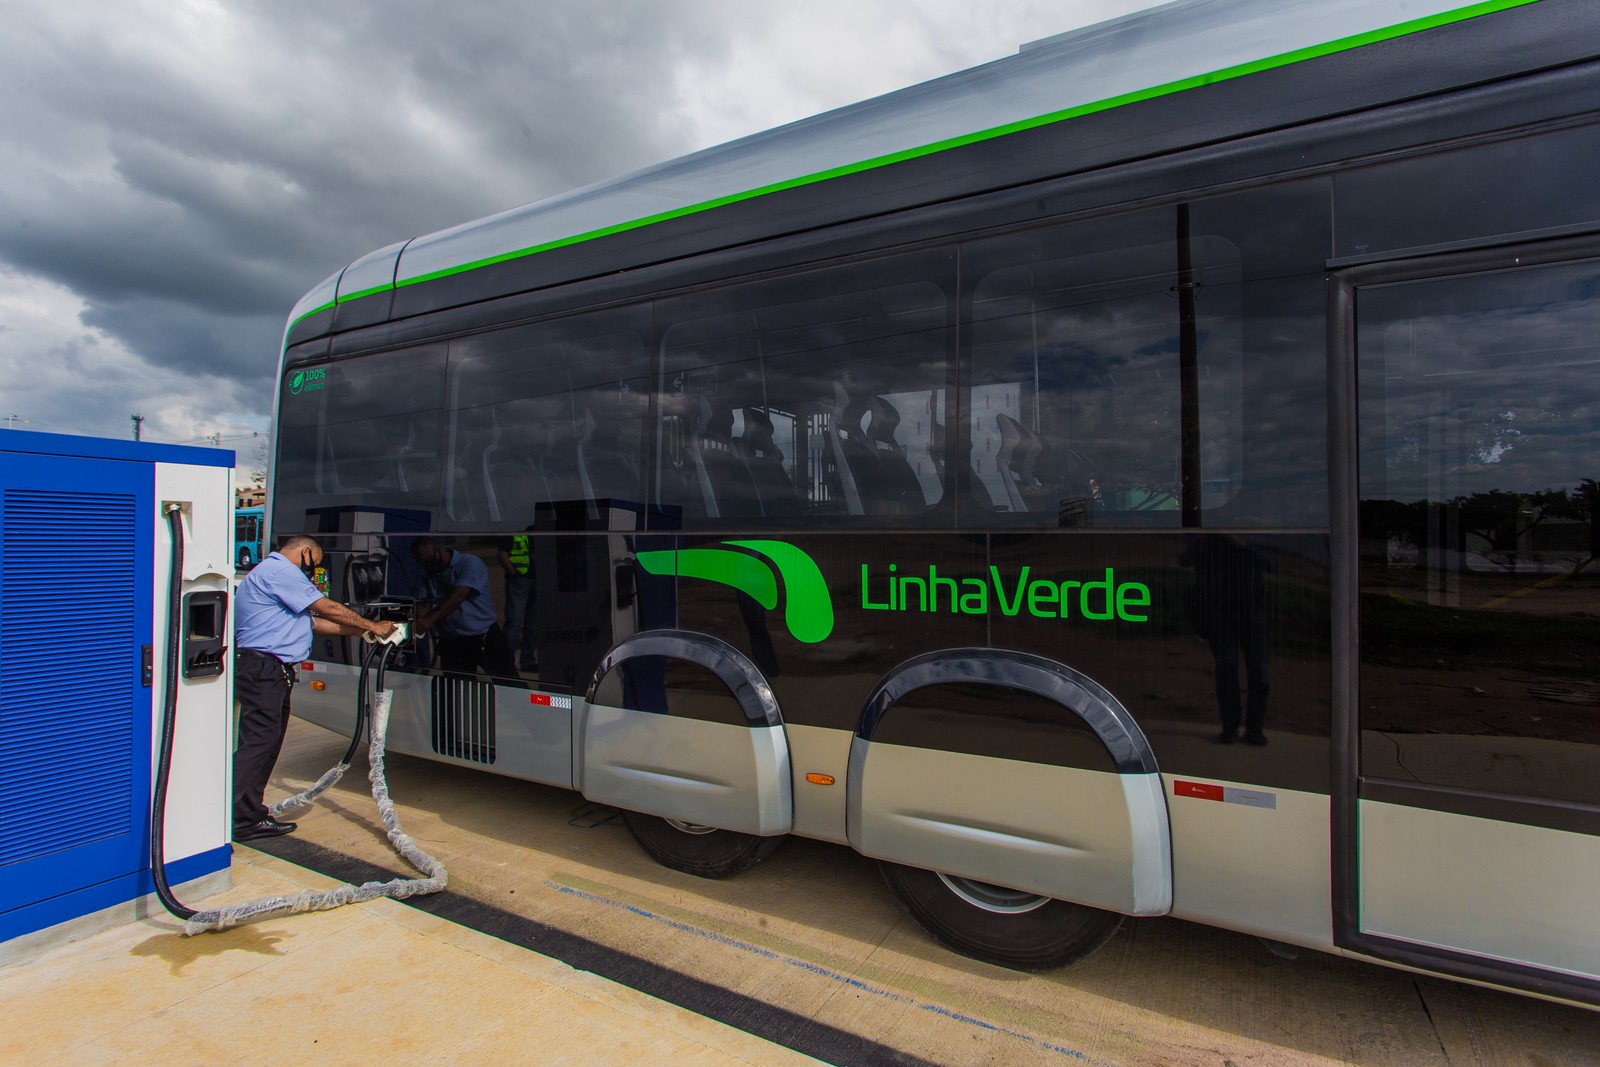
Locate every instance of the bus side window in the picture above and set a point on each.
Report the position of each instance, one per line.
(1480, 604)
(1075, 408)
(361, 429)
(546, 413)
(608, 441)
(798, 404)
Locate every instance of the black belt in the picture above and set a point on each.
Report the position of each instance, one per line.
(291, 673)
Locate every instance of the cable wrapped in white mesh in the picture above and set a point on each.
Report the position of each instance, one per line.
(305, 799)
(398, 888)
(437, 877)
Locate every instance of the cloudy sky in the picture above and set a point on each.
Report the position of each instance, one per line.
(179, 172)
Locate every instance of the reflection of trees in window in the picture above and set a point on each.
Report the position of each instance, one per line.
(1550, 530)
(1479, 442)
(1480, 415)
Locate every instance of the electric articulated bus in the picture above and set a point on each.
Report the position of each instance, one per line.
(1152, 474)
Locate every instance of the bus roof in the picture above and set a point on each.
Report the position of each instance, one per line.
(1157, 52)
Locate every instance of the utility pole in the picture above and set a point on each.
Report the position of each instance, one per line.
(137, 419)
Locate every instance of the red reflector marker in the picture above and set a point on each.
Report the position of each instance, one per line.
(1198, 790)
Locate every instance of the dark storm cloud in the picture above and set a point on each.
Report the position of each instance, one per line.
(179, 172)
(194, 340)
(178, 187)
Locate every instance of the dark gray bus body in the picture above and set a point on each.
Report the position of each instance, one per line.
(1186, 507)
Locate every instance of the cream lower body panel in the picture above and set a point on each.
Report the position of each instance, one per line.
(1248, 867)
(714, 774)
(1502, 890)
(531, 742)
(1093, 837)
(819, 810)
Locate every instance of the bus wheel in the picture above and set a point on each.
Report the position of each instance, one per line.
(704, 851)
(997, 925)
(244, 557)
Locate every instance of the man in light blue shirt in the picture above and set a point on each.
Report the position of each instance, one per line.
(276, 611)
(461, 611)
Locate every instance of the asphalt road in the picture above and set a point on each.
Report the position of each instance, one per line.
(810, 950)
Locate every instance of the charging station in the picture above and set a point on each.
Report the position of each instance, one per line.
(85, 631)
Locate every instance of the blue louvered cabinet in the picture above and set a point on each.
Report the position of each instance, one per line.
(75, 716)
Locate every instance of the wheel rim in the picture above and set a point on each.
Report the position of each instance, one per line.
(995, 898)
(690, 827)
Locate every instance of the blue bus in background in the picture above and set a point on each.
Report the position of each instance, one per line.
(248, 528)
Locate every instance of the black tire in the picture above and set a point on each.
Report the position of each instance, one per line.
(244, 558)
(702, 851)
(1019, 930)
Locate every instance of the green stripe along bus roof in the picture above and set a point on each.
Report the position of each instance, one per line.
(1224, 73)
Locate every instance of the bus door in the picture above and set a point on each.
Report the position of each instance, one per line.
(1467, 414)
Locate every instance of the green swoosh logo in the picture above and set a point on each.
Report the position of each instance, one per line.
(808, 611)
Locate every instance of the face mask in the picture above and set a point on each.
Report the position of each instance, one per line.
(307, 568)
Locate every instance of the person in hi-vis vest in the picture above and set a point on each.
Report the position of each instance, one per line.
(516, 559)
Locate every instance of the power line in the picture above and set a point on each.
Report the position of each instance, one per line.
(61, 427)
(215, 437)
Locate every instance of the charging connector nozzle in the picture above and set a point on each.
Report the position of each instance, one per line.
(396, 636)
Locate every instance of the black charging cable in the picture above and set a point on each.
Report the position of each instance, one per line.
(169, 720)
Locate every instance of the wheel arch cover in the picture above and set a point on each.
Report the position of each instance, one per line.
(1133, 877)
(677, 767)
(742, 677)
(1077, 692)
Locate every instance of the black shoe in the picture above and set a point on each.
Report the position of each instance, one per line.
(1226, 737)
(1255, 739)
(268, 827)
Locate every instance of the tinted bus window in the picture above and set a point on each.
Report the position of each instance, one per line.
(1283, 234)
(1480, 600)
(823, 397)
(1075, 407)
(359, 432)
(545, 413)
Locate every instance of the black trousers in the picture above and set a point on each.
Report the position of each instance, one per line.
(1227, 642)
(261, 685)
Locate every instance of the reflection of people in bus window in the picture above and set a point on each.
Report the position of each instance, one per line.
(516, 560)
(1229, 610)
(459, 607)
